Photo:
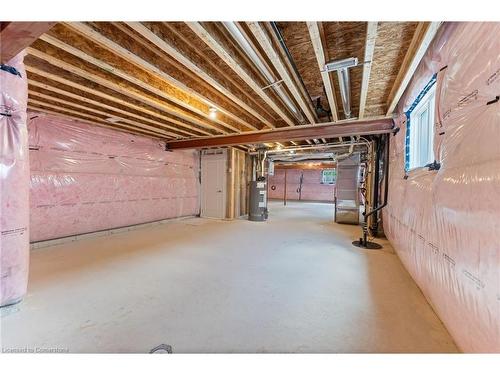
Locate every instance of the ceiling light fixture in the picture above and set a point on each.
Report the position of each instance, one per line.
(212, 112)
(342, 69)
(113, 120)
(350, 62)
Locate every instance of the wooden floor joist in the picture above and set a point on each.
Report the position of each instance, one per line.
(165, 79)
(422, 38)
(115, 48)
(326, 130)
(203, 34)
(180, 125)
(78, 116)
(371, 37)
(177, 55)
(318, 45)
(170, 96)
(163, 106)
(261, 35)
(65, 104)
(158, 125)
(214, 68)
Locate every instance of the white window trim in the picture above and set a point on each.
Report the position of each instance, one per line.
(427, 103)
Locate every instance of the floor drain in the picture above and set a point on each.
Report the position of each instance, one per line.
(161, 349)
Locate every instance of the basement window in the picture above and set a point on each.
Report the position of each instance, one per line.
(328, 176)
(420, 129)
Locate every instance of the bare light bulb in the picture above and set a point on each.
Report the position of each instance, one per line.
(212, 112)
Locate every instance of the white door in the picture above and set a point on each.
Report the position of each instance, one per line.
(213, 185)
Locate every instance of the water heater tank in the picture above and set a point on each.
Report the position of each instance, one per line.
(258, 200)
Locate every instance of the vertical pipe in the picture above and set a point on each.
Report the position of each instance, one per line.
(345, 94)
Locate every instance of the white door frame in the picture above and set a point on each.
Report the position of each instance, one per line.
(213, 165)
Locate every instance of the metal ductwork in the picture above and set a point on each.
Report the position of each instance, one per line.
(345, 90)
(342, 69)
(242, 41)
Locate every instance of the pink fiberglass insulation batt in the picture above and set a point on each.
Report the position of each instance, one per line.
(14, 183)
(86, 178)
(312, 188)
(445, 224)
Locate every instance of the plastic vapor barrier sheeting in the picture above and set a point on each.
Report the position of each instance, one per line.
(14, 183)
(311, 189)
(445, 224)
(86, 178)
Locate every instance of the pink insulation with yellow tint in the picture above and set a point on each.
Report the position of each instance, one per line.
(445, 224)
(14, 183)
(86, 178)
(312, 188)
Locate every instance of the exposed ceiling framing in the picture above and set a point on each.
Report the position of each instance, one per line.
(164, 79)
(422, 37)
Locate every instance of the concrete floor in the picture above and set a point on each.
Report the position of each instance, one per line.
(292, 284)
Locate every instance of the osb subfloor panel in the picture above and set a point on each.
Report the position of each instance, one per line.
(292, 284)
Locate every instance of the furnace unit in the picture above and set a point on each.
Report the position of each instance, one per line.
(347, 202)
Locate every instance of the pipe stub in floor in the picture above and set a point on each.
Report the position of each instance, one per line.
(367, 245)
(161, 349)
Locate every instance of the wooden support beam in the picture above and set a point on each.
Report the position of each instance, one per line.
(181, 126)
(158, 125)
(319, 50)
(170, 95)
(176, 85)
(371, 37)
(214, 44)
(178, 56)
(16, 36)
(344, 128)
(161, 105)
(263, 38)
(422, 38)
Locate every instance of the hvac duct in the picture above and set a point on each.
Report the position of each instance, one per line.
(345, 92)
(242, 41)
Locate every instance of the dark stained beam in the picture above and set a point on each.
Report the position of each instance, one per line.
(16, 36)
(326, 130)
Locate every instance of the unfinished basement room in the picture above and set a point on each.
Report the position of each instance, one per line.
(250, 186)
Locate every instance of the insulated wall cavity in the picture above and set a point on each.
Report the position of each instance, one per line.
(311, 189)
(445, 224)
(86, 178)
(14, 183)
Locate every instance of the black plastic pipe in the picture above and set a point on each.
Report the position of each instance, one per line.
(277, 31)
(386, 179)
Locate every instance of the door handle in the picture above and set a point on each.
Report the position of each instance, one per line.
(219, 191)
